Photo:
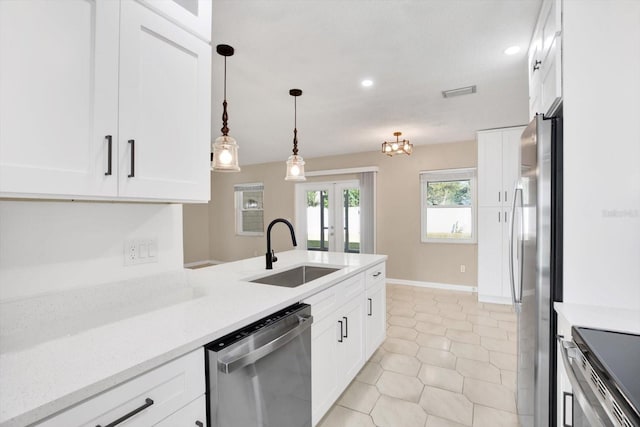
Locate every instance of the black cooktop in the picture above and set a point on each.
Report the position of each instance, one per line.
(617, 356)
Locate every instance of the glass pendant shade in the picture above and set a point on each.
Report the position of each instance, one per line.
(225, 154)
(295, 169)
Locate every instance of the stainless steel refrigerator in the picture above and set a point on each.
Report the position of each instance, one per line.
(536, 266)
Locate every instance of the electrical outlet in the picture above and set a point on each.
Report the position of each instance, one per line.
(463, 268)
(140, 251)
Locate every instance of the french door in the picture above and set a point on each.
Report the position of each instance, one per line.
(328, 216)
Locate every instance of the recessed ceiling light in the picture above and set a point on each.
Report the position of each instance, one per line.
(367, 83)
(512, 50)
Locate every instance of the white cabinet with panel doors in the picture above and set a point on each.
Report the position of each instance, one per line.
(170, 395)
(545, 60)
(376, 308)
(113, 104)
(340, 335)
(498, 164)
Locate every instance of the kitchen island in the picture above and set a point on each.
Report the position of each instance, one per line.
(49, 375)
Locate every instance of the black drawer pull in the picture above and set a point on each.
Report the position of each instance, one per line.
(199, 424)
(109, 139)
(370, 307)
(346, 327)
(133, 158)
(341, 331)
(377, 274)
(148, 402)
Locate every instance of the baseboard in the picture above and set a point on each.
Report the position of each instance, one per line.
(201, 263)
(494, 300)
(459, 288)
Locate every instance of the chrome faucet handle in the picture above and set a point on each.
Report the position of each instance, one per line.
(274, 258)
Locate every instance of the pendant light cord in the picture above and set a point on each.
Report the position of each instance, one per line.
(225, 116)
(295, 126)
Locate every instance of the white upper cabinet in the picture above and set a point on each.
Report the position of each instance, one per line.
(79, 80)
(59, 102)
(165, 108)
(193, 15)
(498, 159)
(545, 60)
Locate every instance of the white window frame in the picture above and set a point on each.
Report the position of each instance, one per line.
(238, 191)
(448, 175)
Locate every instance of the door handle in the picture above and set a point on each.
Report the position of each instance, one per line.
(133, 158)
(346, 327)
(147, 402)
(370, 307)
(341, 331)
(498, 195)
(109, 139)
(511, 237)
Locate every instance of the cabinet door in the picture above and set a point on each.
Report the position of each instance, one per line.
(192, 414)
(351, 349)
(324, 363)
(59, 86)
(510, 163)
(193, 15)
(376, 320)
(489, 168)
(165, 106)
(490, 253)
(551, 78)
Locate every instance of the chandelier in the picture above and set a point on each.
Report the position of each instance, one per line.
(397, 147)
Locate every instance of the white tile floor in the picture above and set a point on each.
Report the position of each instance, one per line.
(448, 361)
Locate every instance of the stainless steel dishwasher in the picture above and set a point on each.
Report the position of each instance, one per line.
(260, 375)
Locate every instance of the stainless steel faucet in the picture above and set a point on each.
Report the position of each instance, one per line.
(271, 255)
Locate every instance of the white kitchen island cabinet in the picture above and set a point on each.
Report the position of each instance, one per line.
(112, 104)
(498, 163)
(344, 335)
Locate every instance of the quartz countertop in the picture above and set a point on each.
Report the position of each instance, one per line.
(608, 318)
(45, 377)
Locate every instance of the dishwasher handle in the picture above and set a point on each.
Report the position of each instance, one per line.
(260, 352)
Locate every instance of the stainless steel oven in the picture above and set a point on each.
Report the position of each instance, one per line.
(260, 375)
(604, 370)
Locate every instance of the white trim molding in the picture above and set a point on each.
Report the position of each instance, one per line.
(450, 287)
(343, 171)
(494, 299)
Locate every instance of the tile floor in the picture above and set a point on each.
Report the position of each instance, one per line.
(448, 361)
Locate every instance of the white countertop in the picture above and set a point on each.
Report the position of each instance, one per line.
(608, 318)
(46, 377)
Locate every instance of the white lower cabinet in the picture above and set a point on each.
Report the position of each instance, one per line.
(146, 400)
(343, 336)
(192, 415)
(376, 320)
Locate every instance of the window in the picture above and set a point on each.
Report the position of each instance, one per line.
(447, 200)
(249, 209)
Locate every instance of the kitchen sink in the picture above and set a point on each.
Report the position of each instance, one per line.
(296, 276)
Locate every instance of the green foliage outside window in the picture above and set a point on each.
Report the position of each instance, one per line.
(457, 193)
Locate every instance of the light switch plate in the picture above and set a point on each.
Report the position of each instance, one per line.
(140, 251)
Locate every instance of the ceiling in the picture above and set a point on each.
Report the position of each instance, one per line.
(411, 49)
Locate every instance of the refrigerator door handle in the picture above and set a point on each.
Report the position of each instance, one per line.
(511, 241)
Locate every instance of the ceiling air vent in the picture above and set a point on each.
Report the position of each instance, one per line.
(460, 91)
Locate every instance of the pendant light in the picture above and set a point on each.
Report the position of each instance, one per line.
(224, 151)
(295, 163)
(397, 146)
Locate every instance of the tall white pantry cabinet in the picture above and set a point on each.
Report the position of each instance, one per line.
(104, 100)
(498, 163)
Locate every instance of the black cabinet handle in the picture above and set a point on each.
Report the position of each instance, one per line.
(346, 327)
(498, 195)
(109, 139)
(199, 424)
(377, 274)
(498, 216)
(341, 331)
(133, 158)
(536, 65)
(505, 197)
(148, 402)
(370, 307)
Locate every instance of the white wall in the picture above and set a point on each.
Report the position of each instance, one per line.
(49, 246)
(601, 84)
